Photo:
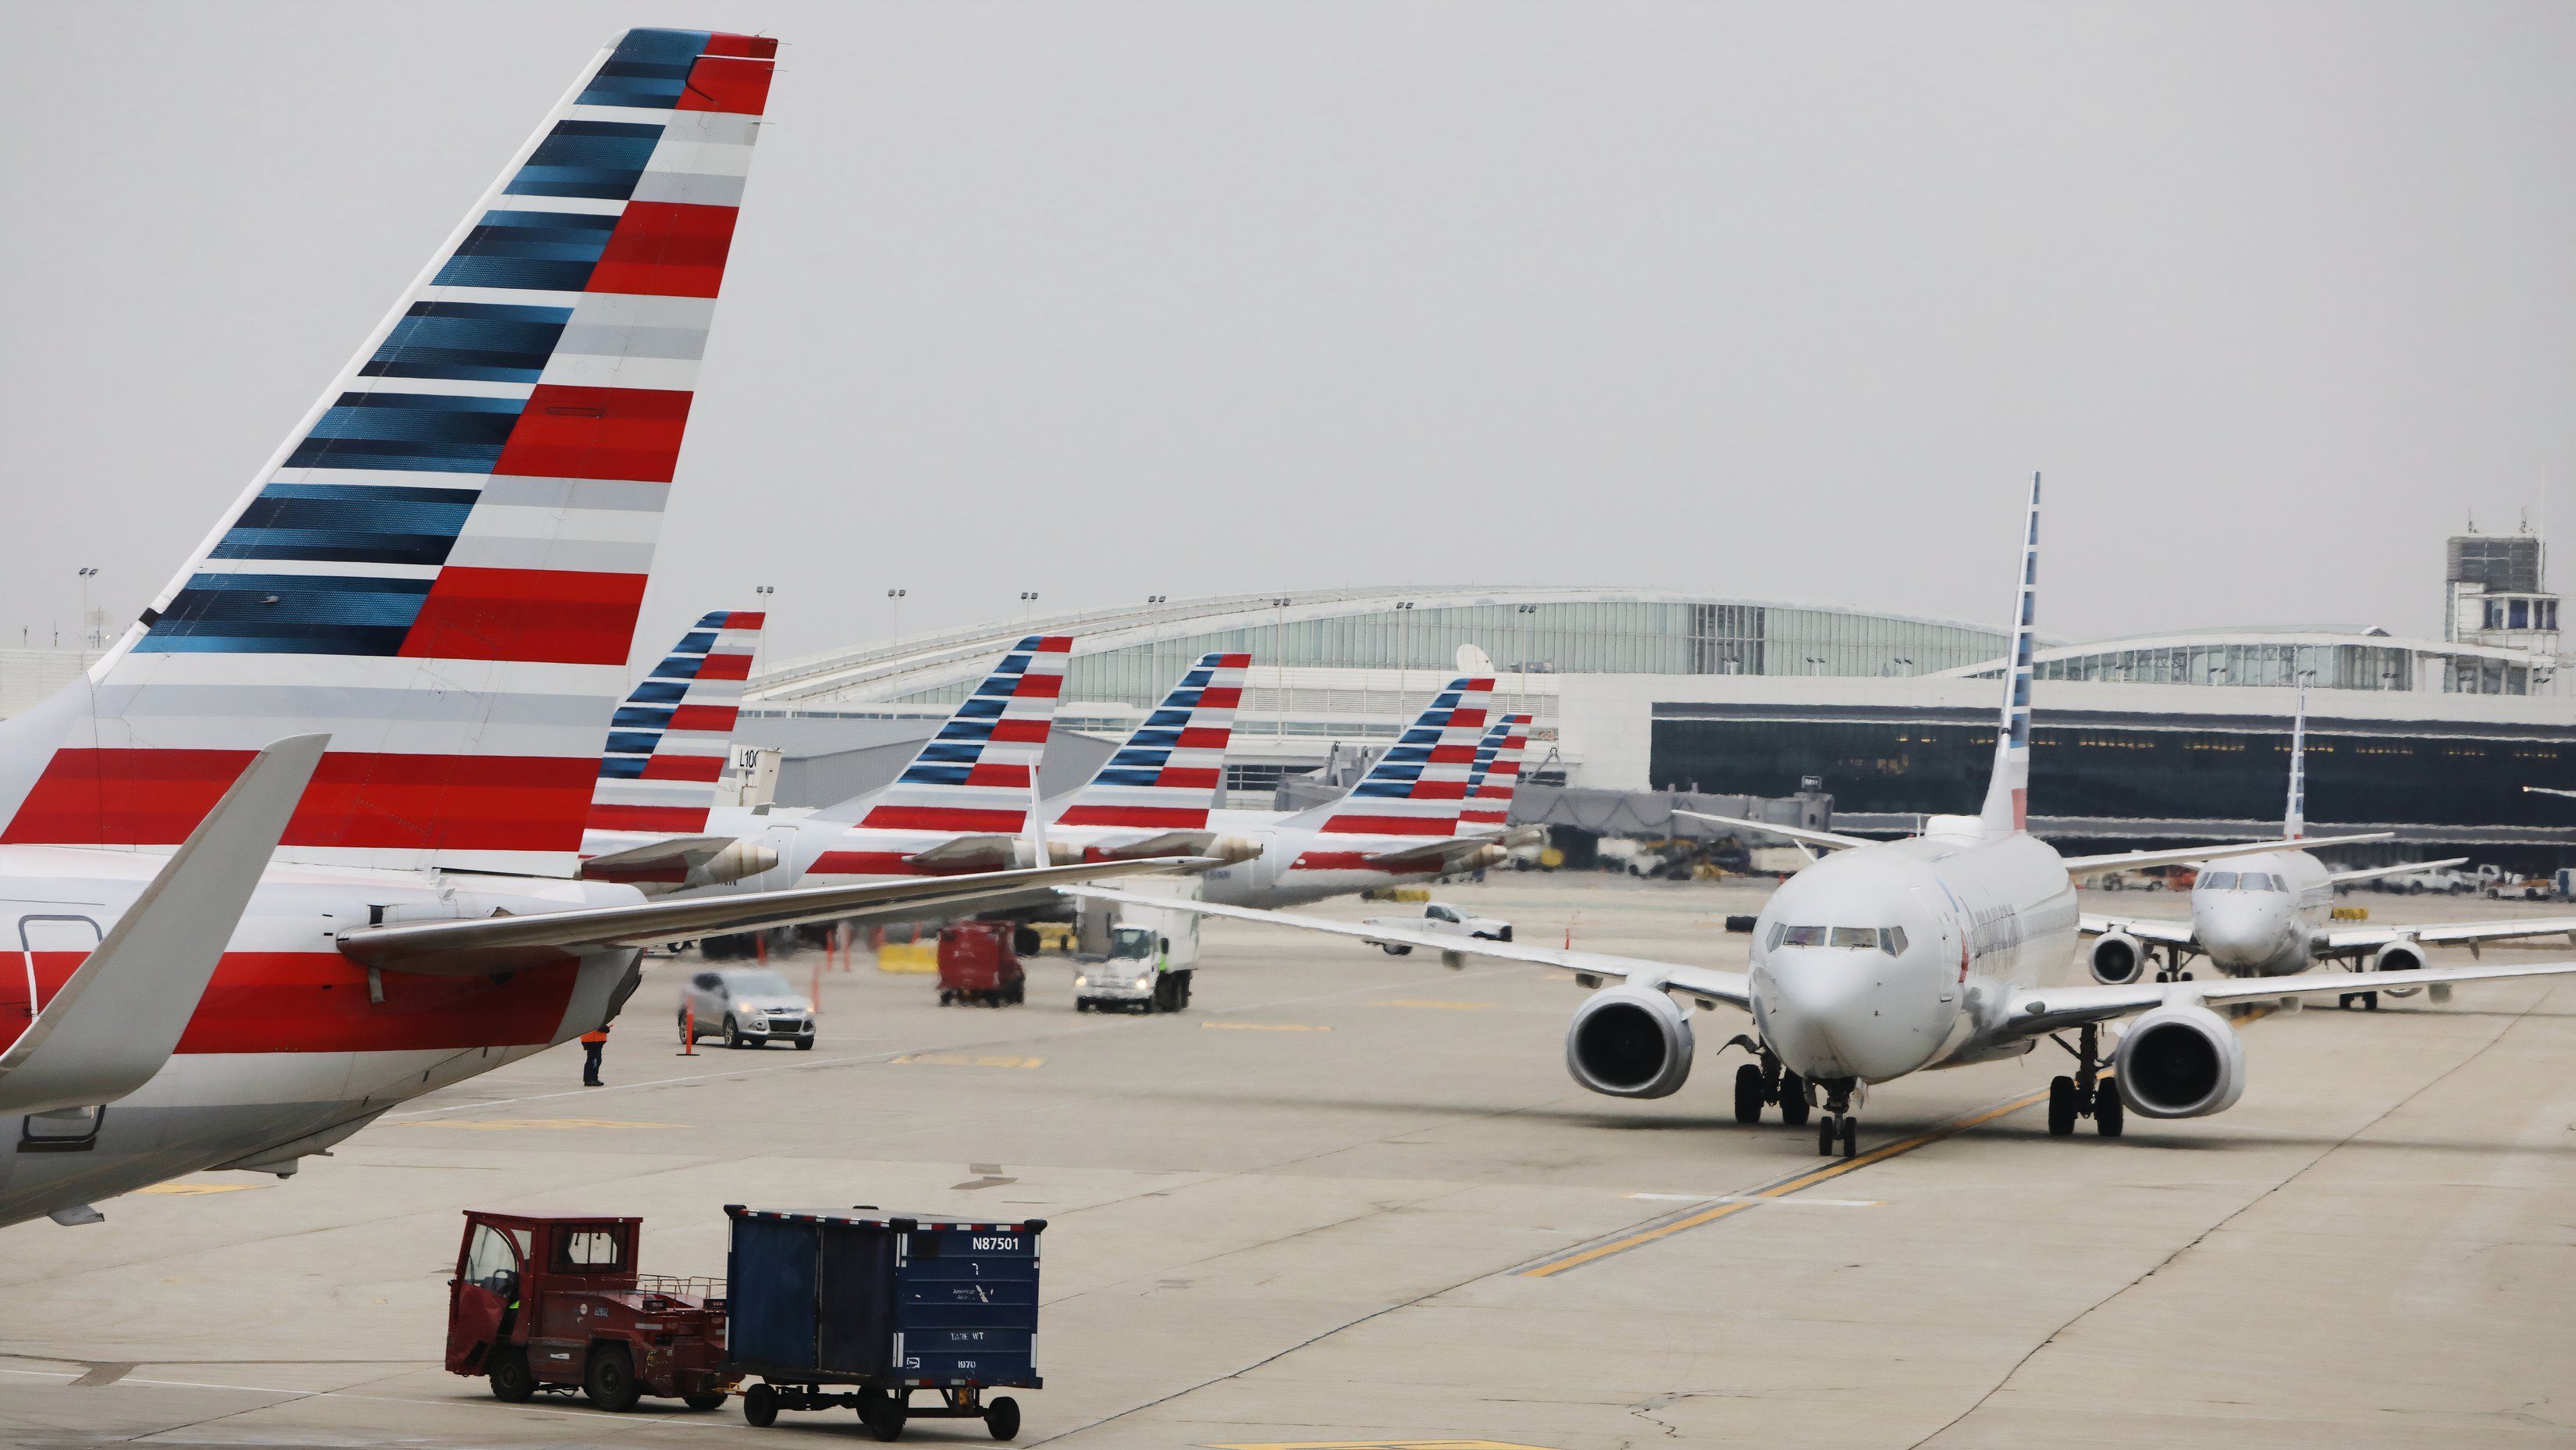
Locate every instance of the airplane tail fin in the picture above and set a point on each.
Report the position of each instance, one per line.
(1171, 770)
(2007, 807)
(979, 773)
(2294, 821)
(668, 742)
(1498, 772)
(1418, 787)
(440, 567)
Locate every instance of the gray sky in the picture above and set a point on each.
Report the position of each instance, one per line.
(1109, 300)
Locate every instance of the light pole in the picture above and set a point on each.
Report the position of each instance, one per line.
(894, 606)
(1028, 602)
(88, 636)
(764, 591)
(1403, 650)
(1818, 662)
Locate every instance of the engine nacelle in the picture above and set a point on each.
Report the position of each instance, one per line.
(733, 863)
(1630, 1042)
(2398, 956)
(2180, 1062)
(2117, 959)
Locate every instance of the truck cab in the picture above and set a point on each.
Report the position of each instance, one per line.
(554, 1302)
(1138, 974)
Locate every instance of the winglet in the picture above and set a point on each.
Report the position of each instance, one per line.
(2007, 809)
(118, 1018)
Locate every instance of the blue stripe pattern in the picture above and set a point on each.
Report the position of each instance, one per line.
(350, 522)
(648, 68)
(601, 160)
(476, 341)
(418, 432)
(551, 251)
(286, 614)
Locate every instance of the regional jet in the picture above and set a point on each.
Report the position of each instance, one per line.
(1885, 959)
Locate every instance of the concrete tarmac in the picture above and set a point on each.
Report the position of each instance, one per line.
(1326, 1205)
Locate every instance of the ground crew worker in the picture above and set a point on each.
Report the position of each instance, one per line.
(592, 1045)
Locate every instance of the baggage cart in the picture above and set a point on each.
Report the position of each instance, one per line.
(861, 1310)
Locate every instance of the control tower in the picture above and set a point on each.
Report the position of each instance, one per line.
(2494, 595)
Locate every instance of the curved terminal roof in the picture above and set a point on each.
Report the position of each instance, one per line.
(2332, 659)
(1561, 628)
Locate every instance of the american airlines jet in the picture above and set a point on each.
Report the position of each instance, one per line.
(2270, 914)
(1885, 959)
(304, 844)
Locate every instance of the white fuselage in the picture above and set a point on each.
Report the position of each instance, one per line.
(289, 1050)
(2267, 930)
(1972, 920)
(1299, 864)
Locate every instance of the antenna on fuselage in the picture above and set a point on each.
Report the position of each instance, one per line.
(2007, 808)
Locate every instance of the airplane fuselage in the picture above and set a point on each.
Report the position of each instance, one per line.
(1888, 959)
(293, 1046)
(1299, 864)
(2268, 930)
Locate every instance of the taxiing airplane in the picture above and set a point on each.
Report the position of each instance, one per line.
(239, 945)
(2270, 913)
(1889, 958)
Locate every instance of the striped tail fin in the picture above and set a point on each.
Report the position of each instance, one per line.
(2007, 807)
(1498, 773)
(442, 563)
(1168, 774)
(979, 773)
(1418, 787)
(668, 742)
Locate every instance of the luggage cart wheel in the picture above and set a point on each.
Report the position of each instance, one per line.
(760, 1406)
(1002, 1418)
(882, 1413)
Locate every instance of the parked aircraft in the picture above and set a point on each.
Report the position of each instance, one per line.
(2270, 914)
(439, 572)
(1889, 958)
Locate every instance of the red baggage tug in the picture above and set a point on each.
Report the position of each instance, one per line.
(979, 963)
(554, 1302)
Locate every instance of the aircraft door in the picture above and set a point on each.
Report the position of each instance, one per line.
(50, 947)
(481, 1296)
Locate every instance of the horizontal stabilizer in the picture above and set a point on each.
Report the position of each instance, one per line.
(2184, 856)
(984, 850)
(1453, 853)
(2373, 873)
(482, 946)
(1168, 843)
(1826, 839)
(120, 1015)
(670, 858)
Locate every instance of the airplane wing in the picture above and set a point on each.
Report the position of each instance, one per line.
(483, 946)
(1800, 834)
(2163, 930)
(118, 1018)
(2448, 933)
(2038, 1010)
(2372, 873)
(2127, 860)
(1706, 984)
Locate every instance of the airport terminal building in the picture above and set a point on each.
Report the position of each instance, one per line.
(2158, 738)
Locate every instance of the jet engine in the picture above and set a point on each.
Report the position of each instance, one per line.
(2180, 1062)
(2398, 956)
(1629, 1042)
(2116, 959)
(733, 863)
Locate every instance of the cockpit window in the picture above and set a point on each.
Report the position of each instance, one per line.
(2256, 881)
(2218, 881)
(1801, 936)
(1891, 940)
(1863, 937)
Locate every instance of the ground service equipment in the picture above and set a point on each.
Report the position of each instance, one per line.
(884, 1305)
(978, 963)
(553, 1302)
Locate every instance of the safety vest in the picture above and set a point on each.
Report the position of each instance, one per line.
(593, 1038)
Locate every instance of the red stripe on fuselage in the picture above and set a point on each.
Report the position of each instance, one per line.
(1188, 818)
(551, 616)
(1440, 825)
(677, 820)
(1354, 861)
(127, 797)
(943, 818)
(317, 1002)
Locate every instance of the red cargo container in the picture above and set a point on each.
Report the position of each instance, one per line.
(977, 964)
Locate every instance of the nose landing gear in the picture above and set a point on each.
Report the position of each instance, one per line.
(1838, 1128)
(1759, 1084)
(2085, 1095)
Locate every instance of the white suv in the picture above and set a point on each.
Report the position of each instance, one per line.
(747, 1007)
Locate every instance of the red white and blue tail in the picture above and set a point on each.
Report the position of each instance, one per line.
(2007, 807)
(442, 563)
(1488, 806)
(979, 773)
(668, 743)
(1167, 776)
(1418, 787)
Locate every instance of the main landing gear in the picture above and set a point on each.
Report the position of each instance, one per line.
(1760, 1084)
(2085, 1095)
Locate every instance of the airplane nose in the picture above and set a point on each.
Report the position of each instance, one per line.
(1833, 1013)
(2238, 927)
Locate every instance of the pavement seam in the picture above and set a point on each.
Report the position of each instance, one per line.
(2203, 1236)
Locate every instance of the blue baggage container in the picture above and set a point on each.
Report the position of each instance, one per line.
(887, 1302)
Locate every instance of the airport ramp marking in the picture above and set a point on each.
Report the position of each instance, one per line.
(504, 1125)
(1750, 1198)
(966, 1059)
(1782, 1188)
(1261, 1027)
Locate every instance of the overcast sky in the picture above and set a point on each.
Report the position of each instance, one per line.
(1109, 300)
